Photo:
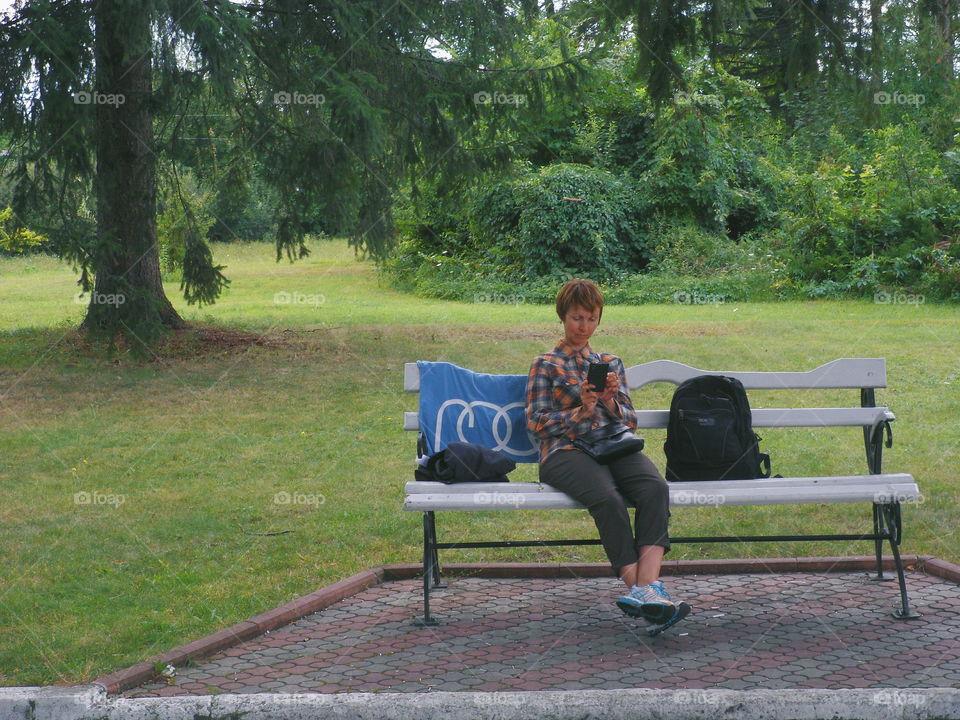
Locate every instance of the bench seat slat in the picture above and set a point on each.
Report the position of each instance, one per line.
(481, 501)
(417, 487)
(762, 417)
(889, 487)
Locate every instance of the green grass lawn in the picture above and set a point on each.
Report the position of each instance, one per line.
(142, 501)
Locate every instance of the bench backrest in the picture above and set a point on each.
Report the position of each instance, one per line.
(864, 374)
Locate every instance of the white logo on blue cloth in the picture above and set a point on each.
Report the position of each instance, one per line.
(501, 426)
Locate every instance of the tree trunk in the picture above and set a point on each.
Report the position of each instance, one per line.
(876, 61)
(876, 44)
(943, 15)
(128, 294)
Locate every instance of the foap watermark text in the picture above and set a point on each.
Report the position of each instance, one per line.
(898, 298)
(887, 498)
(695, 697)
(495, 299)
(692, 497)
(498, 98)
(897, 98)
(899, 698)
(299, 498)
(499, 498)
(95, 497)
(97, 298)
(84, 97)
(684, 297)
(298, 298)
(298, 98)
(685, 98)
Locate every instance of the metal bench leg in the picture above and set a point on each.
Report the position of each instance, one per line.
(891, 513)
(878, 544)
(431, 567)
(437, 577)
(873, 445)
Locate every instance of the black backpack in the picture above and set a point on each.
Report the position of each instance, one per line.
(710, 432)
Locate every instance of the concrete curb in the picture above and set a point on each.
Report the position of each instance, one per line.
(143, 672)
(91, 703)
(55, 703)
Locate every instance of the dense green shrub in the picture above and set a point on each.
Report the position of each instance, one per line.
(878, 215)
(707, 156)
(574, 219)
(695, 267)
(17, 240)
(564, 220)
(706, 196)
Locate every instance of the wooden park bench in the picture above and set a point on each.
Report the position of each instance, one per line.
(883, 491)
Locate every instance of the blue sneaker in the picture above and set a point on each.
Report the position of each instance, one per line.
(651, 602)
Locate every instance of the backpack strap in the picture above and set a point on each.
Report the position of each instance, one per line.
(764, 464)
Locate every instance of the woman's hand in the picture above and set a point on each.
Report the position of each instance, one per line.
(612, 387)
(588, 398)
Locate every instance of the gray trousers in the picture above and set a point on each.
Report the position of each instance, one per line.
(606, 491)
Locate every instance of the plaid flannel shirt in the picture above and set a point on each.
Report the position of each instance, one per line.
(554, 412)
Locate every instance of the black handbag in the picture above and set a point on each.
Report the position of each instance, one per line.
(608, 443)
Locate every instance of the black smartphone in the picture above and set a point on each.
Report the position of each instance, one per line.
(597, 376)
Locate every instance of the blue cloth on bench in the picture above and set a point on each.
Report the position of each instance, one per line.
(457, 404)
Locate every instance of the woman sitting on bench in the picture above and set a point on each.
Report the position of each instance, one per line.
(561, 406)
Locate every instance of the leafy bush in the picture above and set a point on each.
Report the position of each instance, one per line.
(17, 240)
(879, 215)
(707, 156)
(538, 229)
(706, 197)
(692, 266)
(567, 219)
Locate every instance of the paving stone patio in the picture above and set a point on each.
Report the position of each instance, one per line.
(747, 631)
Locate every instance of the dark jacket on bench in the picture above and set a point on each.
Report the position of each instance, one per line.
(466, 462)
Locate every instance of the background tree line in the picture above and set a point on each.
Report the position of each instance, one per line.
(730, 147)
(726, 151)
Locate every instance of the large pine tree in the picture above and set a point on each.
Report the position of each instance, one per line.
(337, 100)
(126, 261)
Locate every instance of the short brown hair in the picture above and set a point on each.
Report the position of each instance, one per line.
(579, 292)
